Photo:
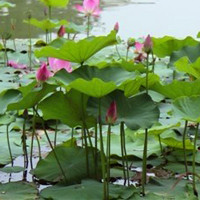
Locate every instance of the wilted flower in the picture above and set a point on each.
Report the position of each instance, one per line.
(43, 73)
(116, 27)
(148, 44)
(16, 65)
(90, 7)
(58, 64)
(61, 31)
(111, 115)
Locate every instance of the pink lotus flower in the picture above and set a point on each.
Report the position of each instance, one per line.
(138, 47)
(16, 65)
(61, 31)
(90, 7)
(111, 115)
(116, 27)
(148, 44)
(58, 64)
(43, 73)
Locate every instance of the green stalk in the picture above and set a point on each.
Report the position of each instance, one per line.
(147, 74)
(160, 143)
(50, 16)
(54, 152)
(24, 144)
(144, 165)
(56, 132)
(122, 152)
(96, 149)
(102, 153)
(153, 62)
(127, 51)
(184, 149)
(88, 25)
(116, 47)
(8, 141)
(108, 159)
(125, 153)
(30, 46)
(32, 140)
(86, 150)
(194, 161)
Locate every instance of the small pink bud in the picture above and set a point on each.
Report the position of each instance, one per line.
(43, 73)
(61, 31)
(111, 115)
(116, 27)
(148, 44)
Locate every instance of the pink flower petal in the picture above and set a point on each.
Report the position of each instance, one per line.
(58, 64)
(16, 65)
(89, 5)
(43, 73)
(96, 12)
(79, 8)
(138, 47)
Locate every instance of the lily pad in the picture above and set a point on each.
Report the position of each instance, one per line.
(80, 51)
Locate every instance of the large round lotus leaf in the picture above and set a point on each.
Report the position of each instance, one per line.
(73, 162)
(166, 45)
(80, 51)
(190, 51)
(45, 24)
(137, 112)
(18, 191)
(188, 108)
(57, 3)
(70, 108)
(32, 95)
(178, 89)
(4, 152)
(93, 81)
(8, 97)
(88, 189)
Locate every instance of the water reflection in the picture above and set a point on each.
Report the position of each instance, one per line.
(136, 17)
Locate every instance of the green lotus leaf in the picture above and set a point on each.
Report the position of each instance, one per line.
(80, 51)
(57, 3)
(70, 108)
(74, 28)
(166, 45)
(88, 189)
(178, 89)
(73, 162)
(18, 191)
(6, 4)
(32, 95)
(93, 81)
(137, 112)
(184, 65)
(192, 52)
(188, 108)
(45, 24)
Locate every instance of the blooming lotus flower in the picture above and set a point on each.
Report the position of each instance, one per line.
(116, 27)
(148, 44)
(58, 64)
(16, 65)
(43, 73)
(61, 31)
(89, 7)
(138, 47)
(111, 115)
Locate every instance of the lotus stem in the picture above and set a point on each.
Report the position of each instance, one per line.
(9, 147)
(125, 153)
(49, 141)
(184, 149)
(108, 158)
(102, 153)
(160, 143)
(32, 140)
(24, 145)
(194, 161)
(127, 51)
(117, 50)
(144, 165)
(147, 74)
(122, 152)
(96, 148)
(30, 46)
(56, 133)
(88, 25)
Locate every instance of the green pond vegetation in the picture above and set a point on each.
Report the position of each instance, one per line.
(96, 117)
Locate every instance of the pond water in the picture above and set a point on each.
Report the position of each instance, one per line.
(136, 17)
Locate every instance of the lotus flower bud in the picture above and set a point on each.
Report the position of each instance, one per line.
(111, 115)
(43, 73)
(131, 42)
(148, 44)
(116, 27)
(61, 31)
